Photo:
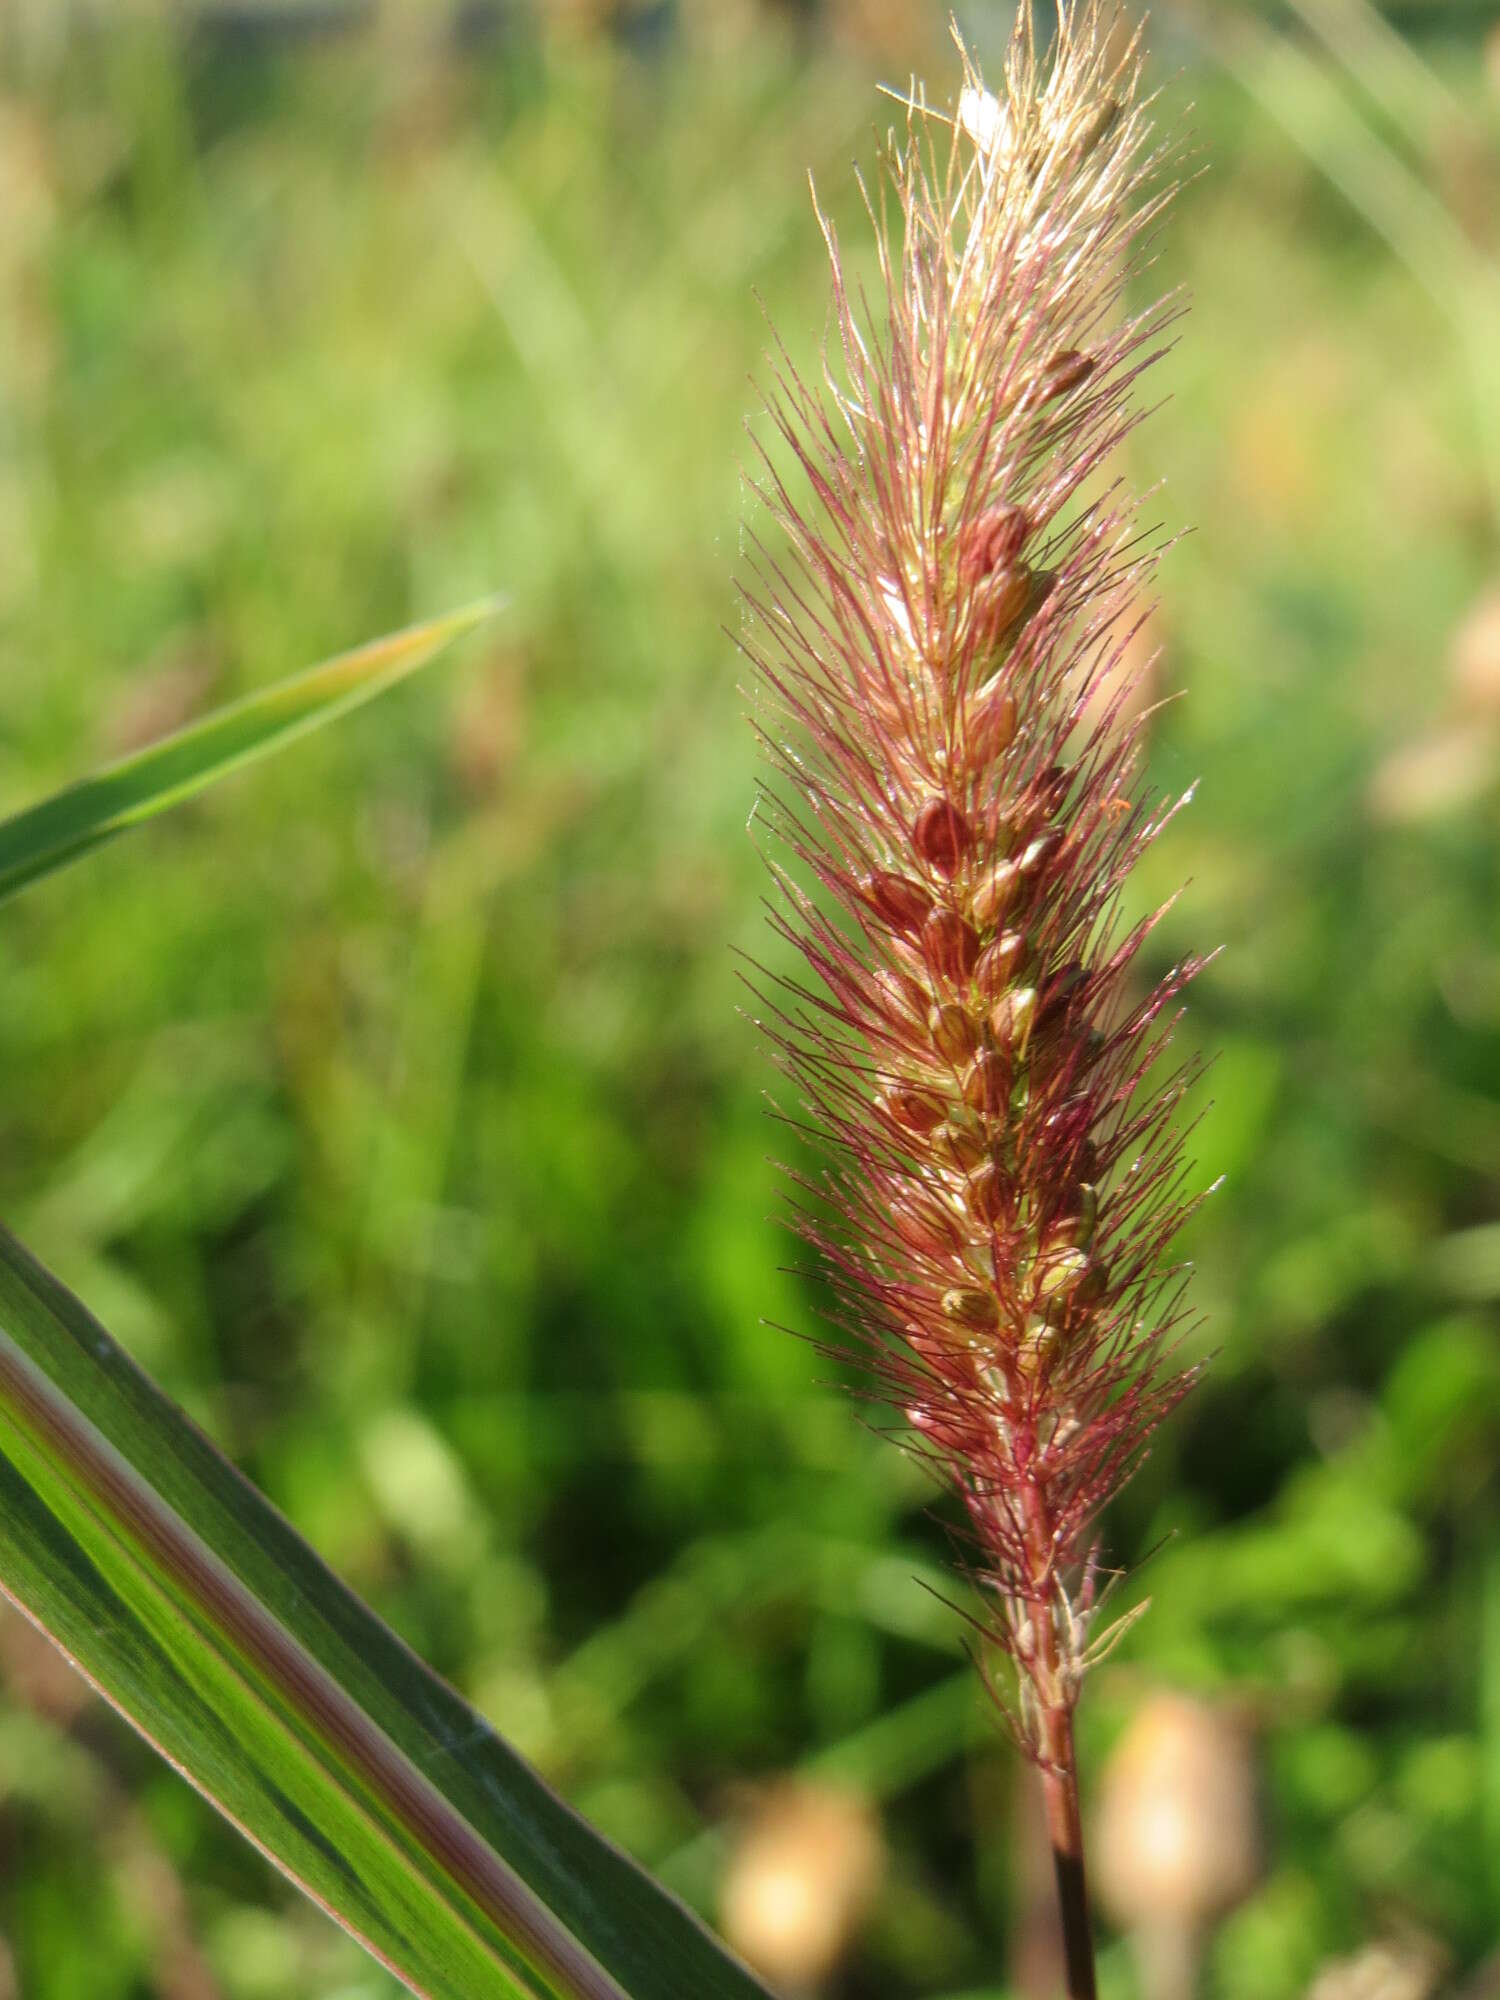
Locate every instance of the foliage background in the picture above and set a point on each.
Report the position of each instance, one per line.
(393, 1106)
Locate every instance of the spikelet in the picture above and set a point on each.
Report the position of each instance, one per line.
(940, 678)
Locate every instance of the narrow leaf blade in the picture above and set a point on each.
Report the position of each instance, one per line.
(60, 828)
(193, 1606)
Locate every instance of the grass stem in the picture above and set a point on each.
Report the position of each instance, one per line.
(1065, 1828)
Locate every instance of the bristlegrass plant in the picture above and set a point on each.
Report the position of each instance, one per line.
(944, 685)
(944, 670)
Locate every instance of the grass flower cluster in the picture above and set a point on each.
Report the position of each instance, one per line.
(945, 675)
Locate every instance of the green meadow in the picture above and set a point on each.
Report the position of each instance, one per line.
(397, 1103)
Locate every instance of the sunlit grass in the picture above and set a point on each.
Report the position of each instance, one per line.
(432, 1118)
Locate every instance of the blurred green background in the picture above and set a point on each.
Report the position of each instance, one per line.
(392, 1105)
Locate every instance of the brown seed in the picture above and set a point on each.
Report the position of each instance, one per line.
(913, 1110)
(990, 1190)
(1093, 1284)
(999, 964)
(987, 1085)
(930, 1234)
(902, 902)
(1099, 126)
(1009, 597)
(1060, 1273)
(949, 945)
(989, 733)
(1069, 1278)
(962, 1139)
(1012, 1015)
(996, 538)
(1040, 1347)
(995, 893)
(968, 1306)
(1076, 1225)
(1040, 851)
(953, 1032)
(889, 993)
(1059, 993)
(1048, 790)
(1066, 371)
(941, 836)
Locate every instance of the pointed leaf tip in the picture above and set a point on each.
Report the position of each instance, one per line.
(60, 828)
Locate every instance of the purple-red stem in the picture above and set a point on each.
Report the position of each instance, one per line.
(1065, 1826)
(1060, 1771)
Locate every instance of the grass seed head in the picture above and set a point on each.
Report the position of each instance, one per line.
(938, 675)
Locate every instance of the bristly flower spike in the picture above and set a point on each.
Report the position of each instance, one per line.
(942, 672)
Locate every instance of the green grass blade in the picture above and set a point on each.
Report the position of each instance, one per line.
(188, 1601)
(58, 829)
